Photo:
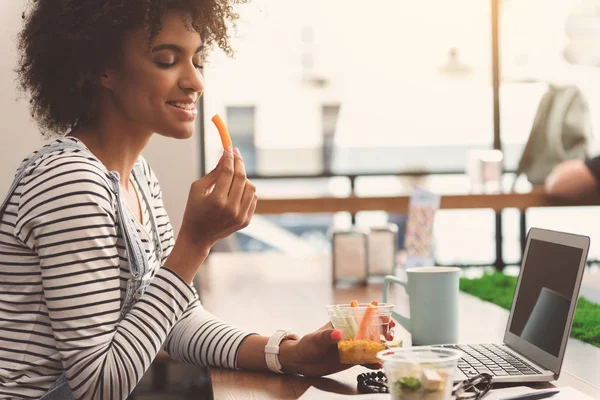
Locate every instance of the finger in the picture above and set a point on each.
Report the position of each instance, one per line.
(250, 212)
(373, 366)
(225, 171)
(204, 185)
(387, 324)
(329, 336)
(252, 208)
(236, 191)
(389, 335)
(209, 180)
(247, 199)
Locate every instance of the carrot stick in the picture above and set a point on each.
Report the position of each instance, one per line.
(354, 303)
(225, 138)
(375, 336)
(363, 328)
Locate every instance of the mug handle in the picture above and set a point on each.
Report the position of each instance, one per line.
(402, 320)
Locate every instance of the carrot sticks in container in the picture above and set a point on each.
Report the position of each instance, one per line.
(362, 327)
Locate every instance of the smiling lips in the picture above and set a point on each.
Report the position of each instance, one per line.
(187, 109)
(185, 106)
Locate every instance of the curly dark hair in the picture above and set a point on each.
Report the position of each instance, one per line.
(65, 45)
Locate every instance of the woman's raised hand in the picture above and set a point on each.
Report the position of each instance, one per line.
(219, 204)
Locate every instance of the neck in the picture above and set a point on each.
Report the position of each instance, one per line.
(117, 148)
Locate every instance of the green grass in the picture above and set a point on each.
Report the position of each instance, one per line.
(499, 289)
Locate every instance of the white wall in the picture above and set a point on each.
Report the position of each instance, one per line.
(18, 135)
(177, 165)
(174, 162)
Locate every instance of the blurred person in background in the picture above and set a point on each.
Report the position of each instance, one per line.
(574, 179)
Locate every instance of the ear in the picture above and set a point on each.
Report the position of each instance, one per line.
(106, 79)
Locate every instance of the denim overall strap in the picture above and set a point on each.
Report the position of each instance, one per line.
(142, 181)
(59, 390)
(135, 251)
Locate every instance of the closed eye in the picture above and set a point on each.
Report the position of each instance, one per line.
(164, 65)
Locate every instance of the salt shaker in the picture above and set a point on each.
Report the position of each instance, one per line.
(382, 249)
(350, 255)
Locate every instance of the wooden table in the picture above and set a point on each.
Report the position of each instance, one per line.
(265, 292)
(399, 203)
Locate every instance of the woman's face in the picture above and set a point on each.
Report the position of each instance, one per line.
(157, 90)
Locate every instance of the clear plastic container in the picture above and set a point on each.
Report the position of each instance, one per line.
(420, 373)
(363, 329)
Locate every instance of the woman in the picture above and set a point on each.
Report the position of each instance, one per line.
(93, 283)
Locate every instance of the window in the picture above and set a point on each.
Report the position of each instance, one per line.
(410, 90)
(241, 126)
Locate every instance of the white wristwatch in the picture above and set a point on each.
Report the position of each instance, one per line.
(272, 349)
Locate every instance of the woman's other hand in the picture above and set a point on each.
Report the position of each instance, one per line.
(316, 354)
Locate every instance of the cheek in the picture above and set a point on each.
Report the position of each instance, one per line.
(145, 92)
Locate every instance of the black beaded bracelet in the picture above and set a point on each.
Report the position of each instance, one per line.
(372, 382)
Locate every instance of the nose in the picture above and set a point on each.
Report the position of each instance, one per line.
(191, 79)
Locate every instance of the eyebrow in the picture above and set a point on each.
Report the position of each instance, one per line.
(174, 47)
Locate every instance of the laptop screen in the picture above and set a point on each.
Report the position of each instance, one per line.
(546, 290)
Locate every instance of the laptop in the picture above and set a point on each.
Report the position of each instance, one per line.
(540, 320)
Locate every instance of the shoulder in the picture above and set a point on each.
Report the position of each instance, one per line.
(58, 172)
(61, 155)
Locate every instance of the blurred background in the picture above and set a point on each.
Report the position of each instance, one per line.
(324, 97)
(322, 90)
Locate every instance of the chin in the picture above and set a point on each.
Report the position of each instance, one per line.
(179, 132)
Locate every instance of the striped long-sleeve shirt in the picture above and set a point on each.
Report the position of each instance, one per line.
(63, 277)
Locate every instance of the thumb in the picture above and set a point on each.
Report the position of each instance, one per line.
(208, 180)
(330, 336)
(212, 174)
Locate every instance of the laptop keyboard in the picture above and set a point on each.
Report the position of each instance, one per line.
(491, 359)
